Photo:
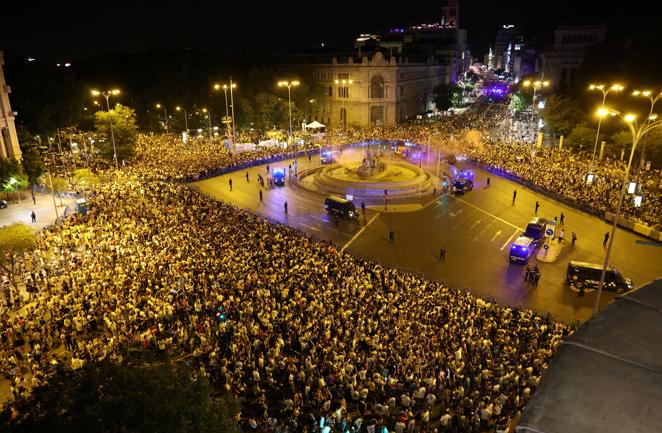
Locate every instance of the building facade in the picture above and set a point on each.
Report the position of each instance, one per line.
(9, 147)
(380, 90)
(562, 63)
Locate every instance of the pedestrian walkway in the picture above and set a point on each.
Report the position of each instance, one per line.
(42, 207)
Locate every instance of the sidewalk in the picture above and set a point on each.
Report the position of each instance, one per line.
(43, 208)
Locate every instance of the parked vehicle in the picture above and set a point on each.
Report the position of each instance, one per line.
(340, 206)
(584, 275)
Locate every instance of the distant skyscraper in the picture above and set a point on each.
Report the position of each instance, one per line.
(9, 147)
(450, 16)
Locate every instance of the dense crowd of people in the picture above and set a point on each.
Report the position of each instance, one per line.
(311, 337)
(487, 135)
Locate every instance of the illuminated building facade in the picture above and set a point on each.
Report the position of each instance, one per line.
(378, 90)
(9, 147)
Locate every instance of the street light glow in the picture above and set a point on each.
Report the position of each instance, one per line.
(95, 93)
(602, 112)
(630, 118)
(158, 105)
(178, 108)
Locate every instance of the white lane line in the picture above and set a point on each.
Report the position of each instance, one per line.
(454, 214)
(359, 232)
(478, 221)
(487, 213)
(496, 235)
(517, 230)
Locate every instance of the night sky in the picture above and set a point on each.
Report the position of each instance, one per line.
(73, 31)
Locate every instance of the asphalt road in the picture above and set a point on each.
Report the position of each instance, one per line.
(475, 229)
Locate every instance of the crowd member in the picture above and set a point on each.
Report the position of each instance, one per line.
(308, 331)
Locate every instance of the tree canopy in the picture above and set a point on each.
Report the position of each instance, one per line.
(106, 397)
(561, 114)
(15, 240)
(446, 96)
(124, 130)
(582, 137)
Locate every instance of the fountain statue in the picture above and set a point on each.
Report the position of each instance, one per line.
(371, 165)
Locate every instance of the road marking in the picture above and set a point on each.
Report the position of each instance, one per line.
(434, 200)
(454, 214)
(310, 227)
(475, 223)
(487, 213)
(496, 235)
(359, 232)
(517, 230)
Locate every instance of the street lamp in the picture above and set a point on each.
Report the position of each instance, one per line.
(289, 85)
(653, 100)
(208, 113)
(536, 85)
(638, 131)
(343, 120)
(165, 113)
(178, 108)
(602, 112)
(225, 88)
(107, 94)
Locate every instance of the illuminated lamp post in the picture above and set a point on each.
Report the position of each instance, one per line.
(602, 112)
(225, 88)
(178, 108)
(344, 118)
(208, 113)
(165, 113)
(289, 85)
(535, 85)
(653, 100)
(638, 131)
(107, 95)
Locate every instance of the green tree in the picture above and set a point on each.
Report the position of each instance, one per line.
(520, 102)
(57, 185)
(124, 130)
(8, 169)
(446, 95)
(15, 240)
(105, 397)
(15, 184)
(265, 111)
(561, 114)
(84, 178)
(33, 166)
(582, 137)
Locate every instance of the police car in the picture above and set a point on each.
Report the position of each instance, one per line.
(279, 176)
(462, 185)
(522, 249)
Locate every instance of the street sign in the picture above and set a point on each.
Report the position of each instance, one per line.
(227, 119)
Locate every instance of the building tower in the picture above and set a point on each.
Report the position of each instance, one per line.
(450, 15)
(9, 147)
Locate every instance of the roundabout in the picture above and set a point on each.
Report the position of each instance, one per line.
(368, 176)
